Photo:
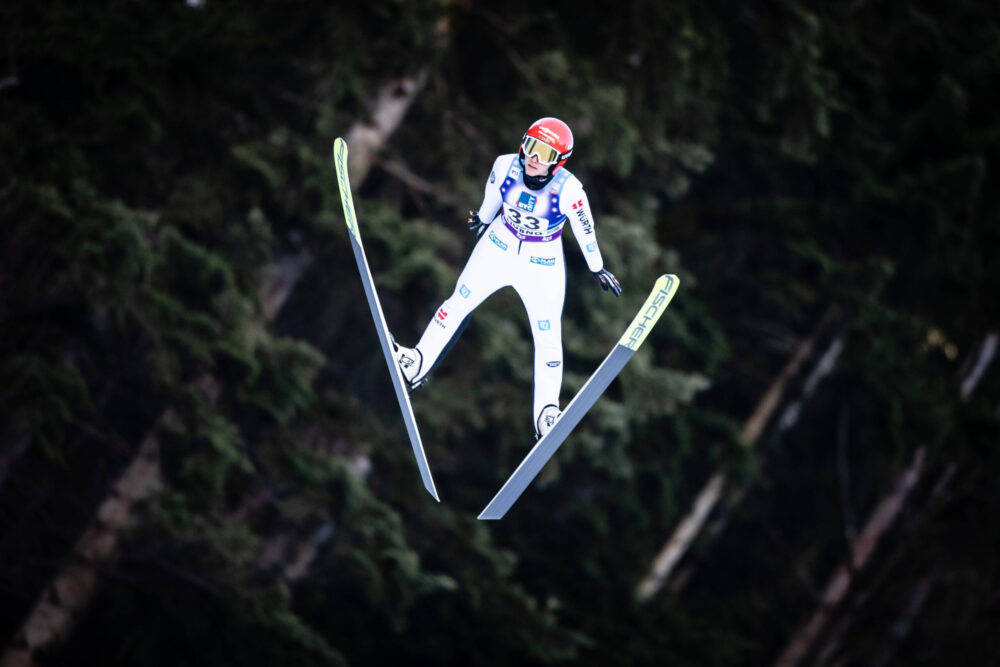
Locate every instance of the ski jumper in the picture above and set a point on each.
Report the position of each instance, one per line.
(522, 248)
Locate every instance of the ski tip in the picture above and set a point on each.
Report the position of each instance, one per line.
(340, 159)
(344, 184)
(339, 151)
(485, 515)
(658, 300)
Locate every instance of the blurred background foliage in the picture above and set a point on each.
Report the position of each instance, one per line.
(803, 167)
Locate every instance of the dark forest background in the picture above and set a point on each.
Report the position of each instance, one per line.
(201, 459)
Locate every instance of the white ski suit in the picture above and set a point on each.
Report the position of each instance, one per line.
(521, 248)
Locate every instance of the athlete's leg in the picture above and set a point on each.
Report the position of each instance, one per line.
(541, 283)
(484, 273)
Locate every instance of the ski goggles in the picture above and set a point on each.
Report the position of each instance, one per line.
(545, 153)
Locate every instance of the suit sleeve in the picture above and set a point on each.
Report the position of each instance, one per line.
(574, 205)
(491, 194)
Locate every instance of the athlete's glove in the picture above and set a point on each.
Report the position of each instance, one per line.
(476, 225)
(608, 281)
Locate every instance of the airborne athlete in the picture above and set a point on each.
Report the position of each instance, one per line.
(521, 247)
(534, 196)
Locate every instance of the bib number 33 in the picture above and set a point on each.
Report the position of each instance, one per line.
(517, 219)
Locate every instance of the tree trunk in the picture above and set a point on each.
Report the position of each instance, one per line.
(881, 520)
(690, 526)
(365, 139)
(685, 533)
(975, 366)
(75, 583)
(55, 613)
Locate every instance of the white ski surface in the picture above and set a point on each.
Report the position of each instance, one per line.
(398, 383)
(663, 291)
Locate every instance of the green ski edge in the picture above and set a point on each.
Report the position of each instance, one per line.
(659, 298)
(381, 328)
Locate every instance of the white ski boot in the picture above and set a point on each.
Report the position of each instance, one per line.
(546, 420)
(410, 362)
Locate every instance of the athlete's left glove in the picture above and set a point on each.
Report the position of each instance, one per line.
(476, 225)
(608, 281)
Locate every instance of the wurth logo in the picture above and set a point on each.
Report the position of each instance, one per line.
(442, 314)
(588, 226)
(578, 204)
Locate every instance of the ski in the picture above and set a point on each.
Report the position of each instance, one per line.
(398, 383)
(663, 291)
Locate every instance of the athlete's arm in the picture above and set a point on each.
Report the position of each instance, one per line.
(574, 205)
(492, 199)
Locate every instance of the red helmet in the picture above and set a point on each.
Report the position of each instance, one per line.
(550, 140)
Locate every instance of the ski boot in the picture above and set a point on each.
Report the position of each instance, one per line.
(410, 362)
(546, 420)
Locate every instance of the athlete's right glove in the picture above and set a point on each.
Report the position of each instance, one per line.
(608, 281)
(476, 225)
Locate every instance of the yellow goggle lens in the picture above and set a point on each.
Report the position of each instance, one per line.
(545, 153)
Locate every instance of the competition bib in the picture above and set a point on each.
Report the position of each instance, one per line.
(532, 215)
